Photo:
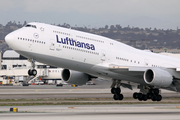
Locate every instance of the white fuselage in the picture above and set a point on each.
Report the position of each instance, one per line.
(83, 52)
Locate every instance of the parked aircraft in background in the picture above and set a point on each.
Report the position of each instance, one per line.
(85, 56)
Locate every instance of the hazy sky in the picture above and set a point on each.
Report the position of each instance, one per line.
(94, 13)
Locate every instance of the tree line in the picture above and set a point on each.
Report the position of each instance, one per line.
(142, 38)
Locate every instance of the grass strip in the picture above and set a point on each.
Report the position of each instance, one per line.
(80, 101)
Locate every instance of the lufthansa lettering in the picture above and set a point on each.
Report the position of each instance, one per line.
(70, 41)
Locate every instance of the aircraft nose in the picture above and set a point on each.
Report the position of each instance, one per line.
(9, 39)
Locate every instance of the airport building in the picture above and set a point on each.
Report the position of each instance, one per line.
(11, 60)
(166, 50)
(14, 69)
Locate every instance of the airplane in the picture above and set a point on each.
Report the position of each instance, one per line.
(85, 56)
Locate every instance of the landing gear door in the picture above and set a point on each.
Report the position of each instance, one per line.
(52, 44)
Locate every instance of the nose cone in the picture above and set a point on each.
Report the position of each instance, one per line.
(9, 39)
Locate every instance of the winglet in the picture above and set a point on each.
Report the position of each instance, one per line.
(177, 69)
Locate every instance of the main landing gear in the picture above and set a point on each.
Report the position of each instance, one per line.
(146, 92)
(152, 94)
(33, 71)
(115, 89)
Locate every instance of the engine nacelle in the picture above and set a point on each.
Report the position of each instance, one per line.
(75, 77)
(158, 77)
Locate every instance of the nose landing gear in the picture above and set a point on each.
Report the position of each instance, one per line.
(33, 71)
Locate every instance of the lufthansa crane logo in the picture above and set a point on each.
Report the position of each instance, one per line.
(36, 35)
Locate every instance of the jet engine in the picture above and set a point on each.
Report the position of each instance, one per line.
(75, 77)
(158, 77)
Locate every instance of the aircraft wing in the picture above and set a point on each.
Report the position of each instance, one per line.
(128, 70)
(134, 69)
(136, 73)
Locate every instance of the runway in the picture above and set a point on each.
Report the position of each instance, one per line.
(51, 91)
(94, 112)
(67, 95)
(125, 110)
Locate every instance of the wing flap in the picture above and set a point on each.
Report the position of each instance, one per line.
(128, 70)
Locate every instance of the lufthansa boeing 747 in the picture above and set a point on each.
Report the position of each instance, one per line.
(85, 56)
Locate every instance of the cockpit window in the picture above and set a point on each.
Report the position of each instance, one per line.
(28, 25)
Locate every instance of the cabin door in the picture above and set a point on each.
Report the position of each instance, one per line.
(103, 55)
(52, 44)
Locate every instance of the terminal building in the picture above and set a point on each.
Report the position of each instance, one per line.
(14, 68)
(11, 60)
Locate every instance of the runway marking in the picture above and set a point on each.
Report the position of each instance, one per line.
(71, 107)
(175, 107)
